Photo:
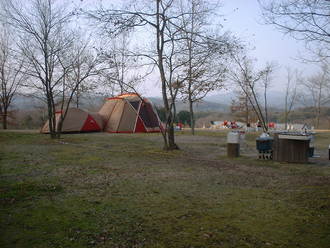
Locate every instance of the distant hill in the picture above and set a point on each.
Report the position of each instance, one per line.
(218, 102)
(92, 103)
(26, 103)
(204, 106)
(214, 103)
(275, 98)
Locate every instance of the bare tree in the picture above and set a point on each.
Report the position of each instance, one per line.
(12, 74)
(241, 107)
(163, 21)
(122, 74)
(174, 65)
(303, 19)
(266, 84)
(246, 78)
(79, 64)
(290, 94)
(42, 27)
(205, 54)
(317, 92)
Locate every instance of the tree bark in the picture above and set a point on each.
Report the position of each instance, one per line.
(247, 111)
(77, 97)
(286, 110)
(4, 119)
(266, 104)
(285, 120)
(192, 117)
(169, 138)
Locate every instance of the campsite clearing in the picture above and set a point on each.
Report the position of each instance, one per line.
(123, 190)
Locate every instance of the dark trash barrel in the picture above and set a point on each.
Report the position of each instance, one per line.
(265, 147)
(264, 144)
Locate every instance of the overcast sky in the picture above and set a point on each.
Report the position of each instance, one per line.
(243, 19)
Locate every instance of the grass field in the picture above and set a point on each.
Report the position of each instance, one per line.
(103, 190)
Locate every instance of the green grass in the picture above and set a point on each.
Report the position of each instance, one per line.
(101, 190)
(323, 140)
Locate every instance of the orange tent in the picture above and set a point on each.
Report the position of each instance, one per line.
(129, 113)
(77, 120)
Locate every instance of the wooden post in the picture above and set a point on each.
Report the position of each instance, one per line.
(233, 139)
(275, 147)
(232, 150)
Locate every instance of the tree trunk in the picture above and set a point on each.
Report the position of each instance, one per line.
(59, 127)
(169, 139)
(266, 105)
(259, 112)
(247, 111)
(192, 117)
(285, 120)
(286, 110)
(4, 119)
(77, 97)
(51, 117)
(318, 118)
